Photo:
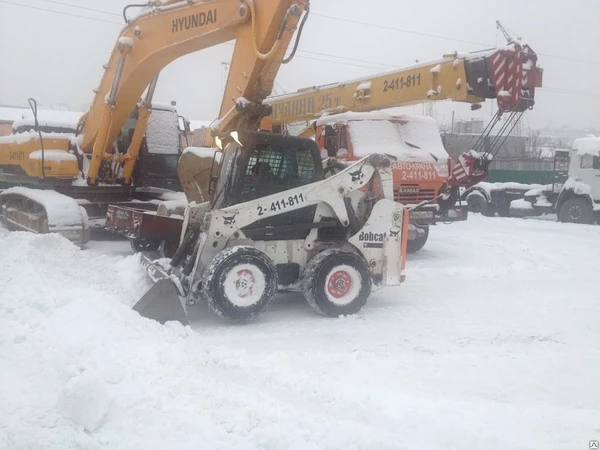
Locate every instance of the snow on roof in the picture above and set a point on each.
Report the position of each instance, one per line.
(30, 122)
(62, 211)
(164, 106)
(406, 137)
(343, 119)
(10, 114)
(46, 117)
(424, 133)
(587, 146)
(26, 137)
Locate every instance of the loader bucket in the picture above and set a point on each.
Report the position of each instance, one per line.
(162, 301)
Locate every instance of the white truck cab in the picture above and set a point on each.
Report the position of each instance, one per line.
(579, 198)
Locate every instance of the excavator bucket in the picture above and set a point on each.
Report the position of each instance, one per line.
(162, 301)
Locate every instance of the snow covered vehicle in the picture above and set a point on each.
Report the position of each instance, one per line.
(53, 144)
(574, 196)
(283, 227)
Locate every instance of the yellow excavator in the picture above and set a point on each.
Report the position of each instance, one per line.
(53, 174)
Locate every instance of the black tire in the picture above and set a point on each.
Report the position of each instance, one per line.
(142, 245)
(576, 210)
(414, 245)
(325, 287)
(477, 202)
(229, 294)
(504, 211)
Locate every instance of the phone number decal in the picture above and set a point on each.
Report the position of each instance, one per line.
(282, 204)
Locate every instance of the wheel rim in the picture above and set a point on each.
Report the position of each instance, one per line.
(343, 285)
(575, 212)
(244, 285)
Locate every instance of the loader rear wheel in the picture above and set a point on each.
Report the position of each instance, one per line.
(336, 282)
(240, 283)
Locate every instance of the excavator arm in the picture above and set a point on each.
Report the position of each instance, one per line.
(164, 32)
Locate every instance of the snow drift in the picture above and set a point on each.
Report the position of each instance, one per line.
(510, 360)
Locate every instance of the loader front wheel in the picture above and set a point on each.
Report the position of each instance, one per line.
(240, 283)
(336, 282)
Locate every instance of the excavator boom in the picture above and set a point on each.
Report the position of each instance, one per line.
(164, 33)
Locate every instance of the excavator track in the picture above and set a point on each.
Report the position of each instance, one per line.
(44, 211)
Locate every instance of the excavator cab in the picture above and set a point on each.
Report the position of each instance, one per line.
(160, 151)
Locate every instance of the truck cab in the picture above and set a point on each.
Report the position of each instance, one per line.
(579, 198)
(421, 164)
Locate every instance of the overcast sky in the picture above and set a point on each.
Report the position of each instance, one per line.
(58, 58)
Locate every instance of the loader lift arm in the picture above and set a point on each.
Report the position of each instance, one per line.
(173, 29)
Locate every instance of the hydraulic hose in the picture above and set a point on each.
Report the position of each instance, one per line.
(138, 5)
(270, 53)
(289, 58)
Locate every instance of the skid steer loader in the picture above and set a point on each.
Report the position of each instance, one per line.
(275, 223)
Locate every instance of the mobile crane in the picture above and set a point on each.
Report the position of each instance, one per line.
(92, 164)
(347, 128)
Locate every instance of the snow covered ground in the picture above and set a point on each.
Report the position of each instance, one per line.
(493, 342)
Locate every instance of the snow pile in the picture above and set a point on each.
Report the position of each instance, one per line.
(587, 146)
(521, 204)
(510, 363)
(62, 212)
(162, 132)
(80, 369)
(52, 155)
(489, 187)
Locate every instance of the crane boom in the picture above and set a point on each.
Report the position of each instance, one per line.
(507, 74)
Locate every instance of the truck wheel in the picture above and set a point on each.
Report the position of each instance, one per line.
(336, 282)
(504, 211)
(576, 210)
(476, 202)
(240, 283)
(143, 245)
(414, 245)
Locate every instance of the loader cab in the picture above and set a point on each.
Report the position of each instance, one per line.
(259, 164)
